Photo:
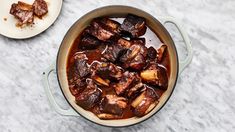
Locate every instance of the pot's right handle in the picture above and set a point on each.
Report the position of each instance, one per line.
(182, 64)
(52, 101)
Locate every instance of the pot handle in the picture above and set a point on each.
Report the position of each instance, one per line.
(52, 101)
(182, 64)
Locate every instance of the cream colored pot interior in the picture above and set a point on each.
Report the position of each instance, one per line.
(114, 11)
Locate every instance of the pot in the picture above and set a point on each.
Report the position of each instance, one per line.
(115, 11)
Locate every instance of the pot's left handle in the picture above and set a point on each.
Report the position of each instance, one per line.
(52, 101)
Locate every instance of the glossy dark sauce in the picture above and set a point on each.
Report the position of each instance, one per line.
(95, 55)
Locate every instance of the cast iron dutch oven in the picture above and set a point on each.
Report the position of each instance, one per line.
(115, 11)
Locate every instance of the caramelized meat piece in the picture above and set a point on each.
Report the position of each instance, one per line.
(135, 57)
(105, 72)
(109, 71)
(40, 8)
(77, 85)
(134, 25)
(23, 12)
(152, 53)
(113, 52)
(127, 43)
(135, 89)
(124, 43)
(80, 62)
(113, 104)
(145, 102)
(89, 97)
(140, 41)
(98, 80)
(161, 52)
(155, 75)
(138, 62)
(20, 6)
(133, 52)
(89, 42)
(100, 30)
(113, 25)
(125, 83)
(163, 79)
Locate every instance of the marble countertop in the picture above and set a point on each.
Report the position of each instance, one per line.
(202, 101)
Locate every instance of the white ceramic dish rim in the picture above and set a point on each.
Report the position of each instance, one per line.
(11, 31)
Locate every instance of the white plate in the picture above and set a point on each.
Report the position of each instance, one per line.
(8, 22)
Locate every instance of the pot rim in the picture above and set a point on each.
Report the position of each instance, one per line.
(174, 47)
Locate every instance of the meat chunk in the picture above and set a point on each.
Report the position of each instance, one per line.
(109, 71)
(113, 52)
(89, 42)
(97, 79)
(20, 6)
(161, 52)
(99, 32)
(134, 25)
(139, 41)
(133, 52)
(135, 57)
(145, 102)
(124, 43)
(127, 81)
(77, 85)
(136, 88)
(127, 43)
(106, 72)
(152, 53)
(89, 97)
(81, 66)
(113, 104)
(23, 12)
(113, 25)
(102, 31)
(163, 79)
(138, 62)
(127, 51)
(40, 8)
(155, 75)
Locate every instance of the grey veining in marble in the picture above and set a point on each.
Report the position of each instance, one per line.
(202, 101)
